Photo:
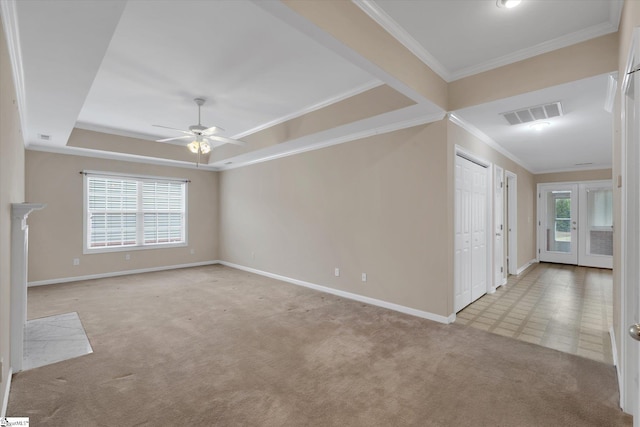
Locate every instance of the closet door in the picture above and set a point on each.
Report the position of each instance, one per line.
(462, 226)
(470, 225)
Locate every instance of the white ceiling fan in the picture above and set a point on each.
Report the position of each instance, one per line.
(204, 138)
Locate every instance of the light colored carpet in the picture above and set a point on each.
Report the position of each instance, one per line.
(214, 346)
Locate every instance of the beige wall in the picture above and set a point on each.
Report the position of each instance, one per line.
(375, 205)
(11, 191)
(526, 191)
(381, 205)
(590, 58)
(573, 176)
(56, 233)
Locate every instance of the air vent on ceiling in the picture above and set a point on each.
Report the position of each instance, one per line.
(531, 114)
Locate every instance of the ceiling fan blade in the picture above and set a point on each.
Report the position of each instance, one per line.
(179, 130)
(174, 138)
(225, 140)
(212, 130)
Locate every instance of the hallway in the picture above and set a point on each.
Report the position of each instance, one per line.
(564, 307)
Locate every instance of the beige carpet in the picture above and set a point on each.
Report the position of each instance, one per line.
(213, 346)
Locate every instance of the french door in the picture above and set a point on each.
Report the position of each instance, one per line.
(575, 223)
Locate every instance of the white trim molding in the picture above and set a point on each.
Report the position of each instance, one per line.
(118, 273)
(7, 390)
(311, 108)
(527, 265)
(486, 139)
(614, 351)
(356, 297)
(9, 16)
(383, 19)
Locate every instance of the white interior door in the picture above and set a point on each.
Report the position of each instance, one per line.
(595, 237)
(479, 232)
(630, 236)
(558, 223)
(498, 216)
(471, 232)
(462, 226)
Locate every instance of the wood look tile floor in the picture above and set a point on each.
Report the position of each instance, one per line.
(564, 307)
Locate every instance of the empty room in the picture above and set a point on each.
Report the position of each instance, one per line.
(320, 213)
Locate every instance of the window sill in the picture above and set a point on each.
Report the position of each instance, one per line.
(87, 251)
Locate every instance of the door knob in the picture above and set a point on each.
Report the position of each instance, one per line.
(634, 331)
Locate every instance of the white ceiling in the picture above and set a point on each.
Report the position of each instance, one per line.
(122, 66)
(579, 139)
(458, 38)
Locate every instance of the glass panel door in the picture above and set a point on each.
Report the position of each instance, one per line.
(596, 233)
(558, 225)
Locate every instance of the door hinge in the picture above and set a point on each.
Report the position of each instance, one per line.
(500, 227)
(539, 223)
(501, 184)
(501, 269)
(538, 250)
(539, 196)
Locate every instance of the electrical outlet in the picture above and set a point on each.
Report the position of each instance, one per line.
(193, 251)
(76, 261)
(337, 272)
(127, 257)
(364, 277)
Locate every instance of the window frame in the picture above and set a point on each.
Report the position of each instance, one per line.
(86, 250)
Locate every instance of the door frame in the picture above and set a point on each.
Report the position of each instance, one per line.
(460, 151)
(499, 231)
(512, 217)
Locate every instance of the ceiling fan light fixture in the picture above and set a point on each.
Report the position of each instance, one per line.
(509, 4)
(204, 147)
(194, 146)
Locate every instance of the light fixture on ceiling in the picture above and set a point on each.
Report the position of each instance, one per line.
(539, 126)
(199, 146)
(203, 136)
(509, 4)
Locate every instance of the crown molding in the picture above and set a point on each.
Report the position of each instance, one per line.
(376, 13)
(113, 131)
(9, 15)
(381, 17)
(545, 47)
(574, 169)
(110, 155)
(395, 120)
(487, 140)
(311, 108)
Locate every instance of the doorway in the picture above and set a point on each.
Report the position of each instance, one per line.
(575, 223)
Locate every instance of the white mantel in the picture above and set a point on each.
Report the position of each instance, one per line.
(19, 257)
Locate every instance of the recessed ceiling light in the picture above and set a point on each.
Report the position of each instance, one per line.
(508, 3)
(539, 126)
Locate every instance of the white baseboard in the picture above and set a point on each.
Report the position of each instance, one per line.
(527, 265)
(614, 351)
(118, 273)
(5, 401)
(384, 304)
